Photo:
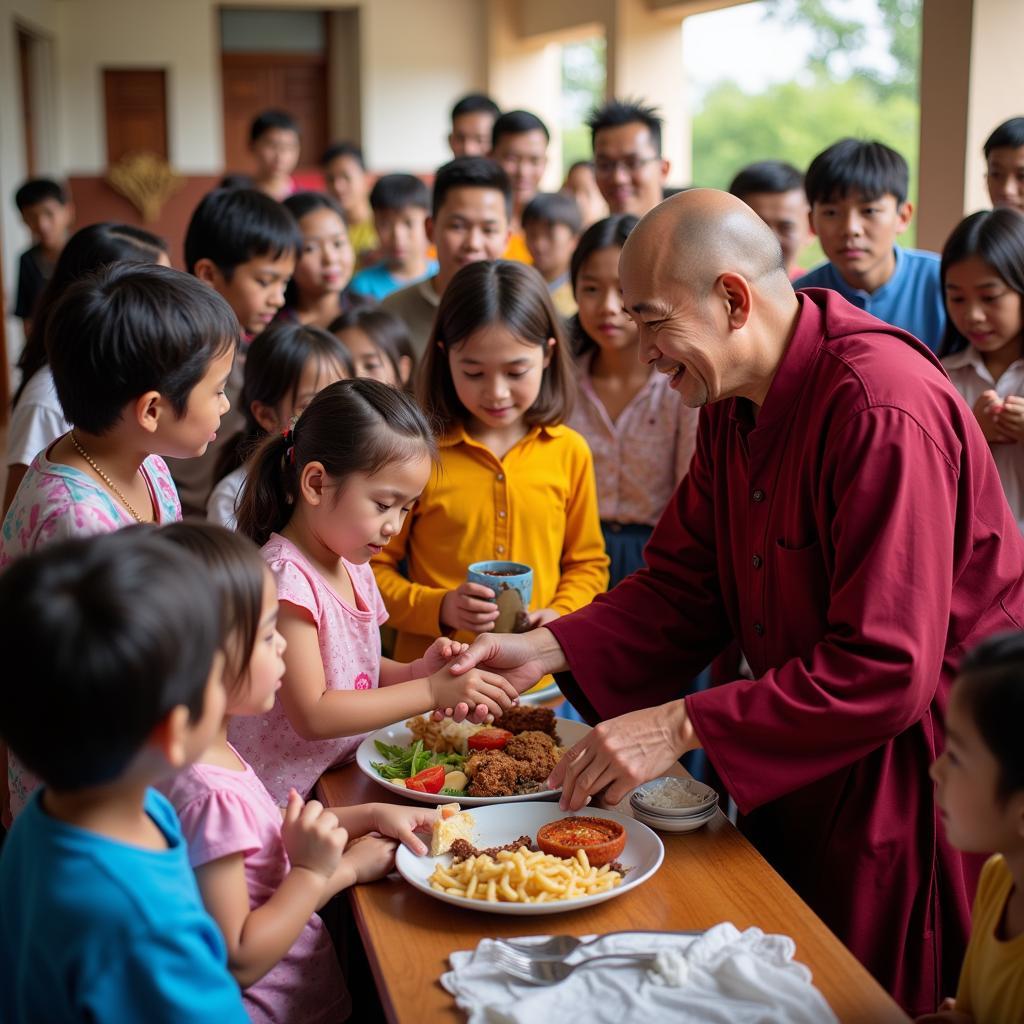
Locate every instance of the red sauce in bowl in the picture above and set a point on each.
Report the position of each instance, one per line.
(601, 838)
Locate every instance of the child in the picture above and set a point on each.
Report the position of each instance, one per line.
(514, 482)
(243, 245)
(36, 417)
(473, 119)
(322, 499)
(470, 212)
(48, 214)
(983, 280)
(1004, 164)
(318, 292)
(774, 190)
(274, 143)
(979, 781)
(100, 917)
(287, 366)
(400, 203)
(246, 859)
(858, 196)
(581, 184)
(346, 180)
(519, 143)
(552, 225)
(640, 433)
(379, 345)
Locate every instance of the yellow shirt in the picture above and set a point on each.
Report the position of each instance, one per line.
(516, 249)
(991, 986)
(538, 505)
(363, 237)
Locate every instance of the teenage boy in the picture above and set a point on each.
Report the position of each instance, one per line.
(347, 181)
(858, 196)
(244, 245)
(274, 143)
(469, 221)
(1004, 164)
(774, 190)
(101, 917)
(473, 120)
(401, 205)
(519, 142)
(48, 214)
(628, 165)
(552, 224)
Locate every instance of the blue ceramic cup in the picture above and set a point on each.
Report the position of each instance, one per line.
(512, 586)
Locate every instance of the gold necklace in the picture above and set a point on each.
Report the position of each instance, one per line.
(106, 479)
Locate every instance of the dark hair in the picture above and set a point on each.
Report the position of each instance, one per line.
(397, 191)
(997, 238)
(516, 297)
(553, 208)
(629, 111)
(387, 333)
(236, 574)
(129, 329)
(236, 181)
(470, 172)
(231, 226)
(38, 190)
(476, 103)
(336, 149)
(274, 365)
(517, 122)
(352, 426)
(991, 684)
(87, 250)
(773, 176)
(1009, 135)
(114, 631)
(269, 120)
(299, 205)
(871, 168)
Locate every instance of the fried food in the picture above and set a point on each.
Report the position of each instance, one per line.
(536, 753)
(444, 737)
(524, 718)
(492, 773)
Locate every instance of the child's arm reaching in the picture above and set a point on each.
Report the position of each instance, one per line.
(258, 939)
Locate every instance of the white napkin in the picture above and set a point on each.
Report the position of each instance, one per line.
(732, 977)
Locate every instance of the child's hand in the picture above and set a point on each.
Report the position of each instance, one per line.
(313, 839)
(437, 655)
(542, 617)
(471, 607)
(401, 823)
(369, 858)
(986, 412)
(1009, 417)
(474, 688)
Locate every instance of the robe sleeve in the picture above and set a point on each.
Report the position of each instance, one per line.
(890, 495)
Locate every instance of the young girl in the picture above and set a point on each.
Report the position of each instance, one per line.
(514, 482)
(379, 344)
(322, 499)
(640, 433)
(286, 366)
(318, 291)
(982, 276)
(37, 419)
(263, 879)
(979, 782)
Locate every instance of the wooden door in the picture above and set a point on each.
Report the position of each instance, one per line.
(28, 112)
(136, 111)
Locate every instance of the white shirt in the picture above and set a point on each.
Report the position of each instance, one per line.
(37, 420)
(222, 508)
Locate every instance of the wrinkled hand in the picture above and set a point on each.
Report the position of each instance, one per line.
(947, 1013)
(986, 411)
(401, 823)
(621, 753)
(542, 617)
(471, 607)
(472, 689)
(313, 839)
(436, 656)
(1009, 417)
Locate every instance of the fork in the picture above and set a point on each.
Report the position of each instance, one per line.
(560, 946)
(551, 972)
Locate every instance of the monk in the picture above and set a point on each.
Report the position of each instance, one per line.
(843, 519)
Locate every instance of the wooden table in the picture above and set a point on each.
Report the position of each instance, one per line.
(708, 876)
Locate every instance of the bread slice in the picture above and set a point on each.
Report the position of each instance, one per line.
(451, 823)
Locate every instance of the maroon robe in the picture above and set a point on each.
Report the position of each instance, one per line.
(856, 540)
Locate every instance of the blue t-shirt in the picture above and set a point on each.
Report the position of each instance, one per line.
(911, 298)
(92, 929)
(378, 282)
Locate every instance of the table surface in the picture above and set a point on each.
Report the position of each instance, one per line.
(708, 876)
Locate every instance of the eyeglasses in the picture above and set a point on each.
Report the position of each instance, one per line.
(630, 164)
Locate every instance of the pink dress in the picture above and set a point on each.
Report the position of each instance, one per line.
(224, 812)
(349, 641)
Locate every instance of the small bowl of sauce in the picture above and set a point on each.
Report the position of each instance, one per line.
(602, 839)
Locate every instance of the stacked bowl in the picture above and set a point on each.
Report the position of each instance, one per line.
(673, 804)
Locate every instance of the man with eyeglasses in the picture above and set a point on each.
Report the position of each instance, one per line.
(628, 164)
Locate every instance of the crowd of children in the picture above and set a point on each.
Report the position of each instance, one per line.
(363, 391)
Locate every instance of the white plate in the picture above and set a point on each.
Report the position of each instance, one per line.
(398, 736)
(496, 826)
(677, 826)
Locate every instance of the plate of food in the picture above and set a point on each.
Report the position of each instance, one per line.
(532, 858)
(437, 762)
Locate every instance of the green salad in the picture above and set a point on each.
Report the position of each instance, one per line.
(413, 761)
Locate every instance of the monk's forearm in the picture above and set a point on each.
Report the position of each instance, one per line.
(548, 651)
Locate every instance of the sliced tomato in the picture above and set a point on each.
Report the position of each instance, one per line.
(489, 739)
(430, 780)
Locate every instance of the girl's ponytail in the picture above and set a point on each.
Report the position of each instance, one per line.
(271, 480)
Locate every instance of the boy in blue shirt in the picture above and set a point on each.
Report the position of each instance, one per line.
(400, 204)
(114, 680)
(858, 196)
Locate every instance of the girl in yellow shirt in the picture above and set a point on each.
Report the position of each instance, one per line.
(980, 793)
(513, 482)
